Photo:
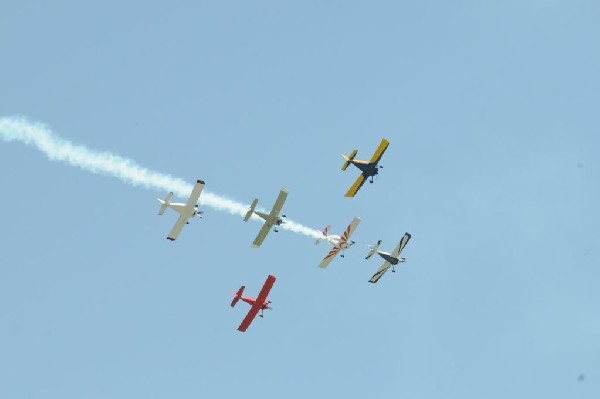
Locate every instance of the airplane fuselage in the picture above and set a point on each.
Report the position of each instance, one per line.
(183, 210)
(252, 301)
(368, 169)
(389, 257)
(336, 241)
(276, 220)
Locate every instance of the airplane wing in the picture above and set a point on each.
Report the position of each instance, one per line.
(396, 252)
(249, 317)
(264, 292)
(279, 203)
(350, 229)
(325, 262)
(386, 265)
(356, 186)
(260, 300)
(177, 228)
(262, 234)
(195, 195)
(380, 150)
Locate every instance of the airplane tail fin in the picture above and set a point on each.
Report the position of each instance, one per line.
(325, 233)
(373, 249)
(251, 210)
(348, 159)
(237, 295)
(165, 203)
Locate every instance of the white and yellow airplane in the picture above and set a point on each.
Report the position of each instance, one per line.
(390, 259)
(340, 243)
(186, 211)
(271, 219)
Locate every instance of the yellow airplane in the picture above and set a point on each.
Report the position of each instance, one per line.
(368, 169)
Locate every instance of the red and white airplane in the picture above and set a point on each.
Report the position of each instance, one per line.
(340, 243)
(260, 303)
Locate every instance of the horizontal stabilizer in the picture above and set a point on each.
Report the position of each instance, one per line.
(373, 249)
(165, 203)
(237, 295)
(348, 159)
(251, 210)
(325, 233)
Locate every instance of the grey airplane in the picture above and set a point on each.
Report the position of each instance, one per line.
(390, 259)
(271, 219)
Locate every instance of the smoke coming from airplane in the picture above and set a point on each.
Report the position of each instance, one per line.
(57, 149)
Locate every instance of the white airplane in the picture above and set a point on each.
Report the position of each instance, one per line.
(340, 243)
(186, 211)
(271, 219)
(390, 259)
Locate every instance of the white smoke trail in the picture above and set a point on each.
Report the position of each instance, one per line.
(57, 149)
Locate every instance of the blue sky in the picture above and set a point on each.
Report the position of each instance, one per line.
(491, 110)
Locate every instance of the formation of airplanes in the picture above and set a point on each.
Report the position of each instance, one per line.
(273, 219)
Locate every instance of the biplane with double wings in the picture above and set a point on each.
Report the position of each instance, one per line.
(368, 169)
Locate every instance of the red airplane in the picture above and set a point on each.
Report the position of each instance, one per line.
(260, 303)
